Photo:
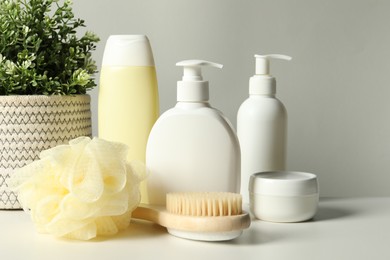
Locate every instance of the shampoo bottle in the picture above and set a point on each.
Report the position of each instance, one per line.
(261, 125)
(192, 147)
(128, 95)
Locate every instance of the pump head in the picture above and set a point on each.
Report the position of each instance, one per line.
(262, 62)
(192, 87)
(263, 83)
(193, 68)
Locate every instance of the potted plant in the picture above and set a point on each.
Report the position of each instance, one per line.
(45, 72)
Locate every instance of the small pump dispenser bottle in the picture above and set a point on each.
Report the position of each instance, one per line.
(192, 147)
(262, 125)
(128, 95)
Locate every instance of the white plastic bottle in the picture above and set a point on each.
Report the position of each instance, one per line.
(128, 95)
(192, 147)
(261, 125)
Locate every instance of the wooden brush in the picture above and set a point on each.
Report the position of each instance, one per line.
(206, 216)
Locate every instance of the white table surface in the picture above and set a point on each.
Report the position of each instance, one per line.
(348, 228)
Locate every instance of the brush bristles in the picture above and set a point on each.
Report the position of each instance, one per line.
(206, 204)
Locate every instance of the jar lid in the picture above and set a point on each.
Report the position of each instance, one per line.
(283, 183)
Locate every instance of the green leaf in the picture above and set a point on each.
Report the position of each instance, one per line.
(40, 52)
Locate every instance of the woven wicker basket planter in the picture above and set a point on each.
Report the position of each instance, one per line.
(30, 124)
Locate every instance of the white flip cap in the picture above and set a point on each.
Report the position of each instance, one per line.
(128, 50)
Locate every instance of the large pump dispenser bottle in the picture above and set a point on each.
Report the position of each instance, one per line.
(262, 125)
(128, 95)
(192, 147)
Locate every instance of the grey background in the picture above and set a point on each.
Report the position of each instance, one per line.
(336, 88)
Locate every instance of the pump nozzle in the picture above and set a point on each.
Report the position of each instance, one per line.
(192, 68)
(262, 62)
(192, 87)
(263, 83)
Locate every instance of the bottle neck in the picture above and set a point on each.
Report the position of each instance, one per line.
(262, 85)
(262, 95)
(192, 91)
(191, 105)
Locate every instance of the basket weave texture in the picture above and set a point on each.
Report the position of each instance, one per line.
(31, 124)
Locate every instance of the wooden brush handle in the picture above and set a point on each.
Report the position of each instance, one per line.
(190, 223)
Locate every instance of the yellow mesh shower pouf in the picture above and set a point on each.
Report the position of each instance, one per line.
(81, 190)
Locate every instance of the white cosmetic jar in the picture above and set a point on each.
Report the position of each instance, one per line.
(283, 196)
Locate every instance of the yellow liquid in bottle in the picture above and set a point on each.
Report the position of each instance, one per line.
(128, 108)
